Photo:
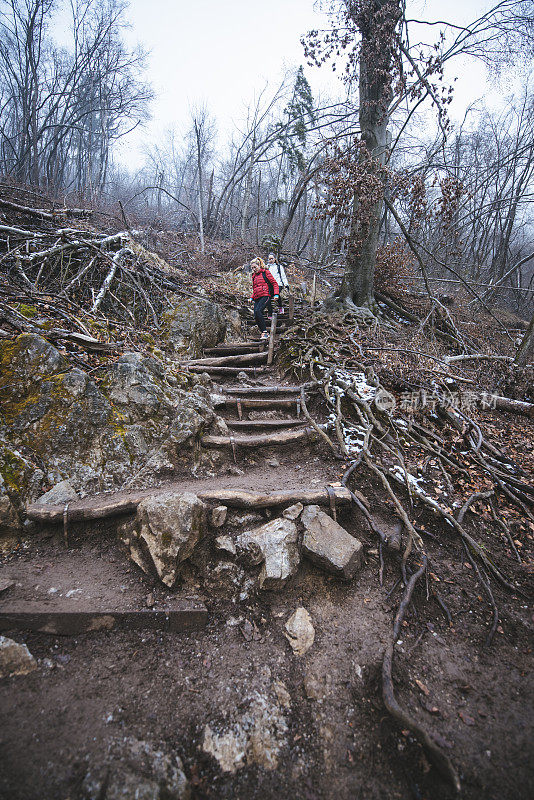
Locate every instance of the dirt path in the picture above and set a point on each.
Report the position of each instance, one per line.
(247, 717)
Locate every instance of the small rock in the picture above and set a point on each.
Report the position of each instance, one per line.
(329, 545)
(61, 493)
(226, 545)
(15, 658)
(244, 519)
(126, 785)
(228, 749)
(218, 516)
(277, 542)
(273, 462)
(300, 632)
(281, 692)
(6, 583)
(150, 600)
(234, 470)
(293, 512)
(317, 687)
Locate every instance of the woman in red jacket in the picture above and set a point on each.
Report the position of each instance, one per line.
(262, 280)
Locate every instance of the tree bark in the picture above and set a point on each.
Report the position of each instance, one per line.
(376, 20)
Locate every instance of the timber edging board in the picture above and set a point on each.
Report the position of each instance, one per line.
(29, 617)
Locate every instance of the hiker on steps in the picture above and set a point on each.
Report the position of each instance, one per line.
(264, 287)
(279, 274)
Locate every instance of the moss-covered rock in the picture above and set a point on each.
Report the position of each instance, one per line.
(56, 423)
(191, 326)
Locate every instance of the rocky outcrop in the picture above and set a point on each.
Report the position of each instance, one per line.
(193, 325)
(329, 545)
(166, 529)
(276, 545)
(57, 423)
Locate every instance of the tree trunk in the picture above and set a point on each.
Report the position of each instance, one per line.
(525, 351)
(376, 21)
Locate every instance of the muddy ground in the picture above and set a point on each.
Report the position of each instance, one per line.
(322, 727)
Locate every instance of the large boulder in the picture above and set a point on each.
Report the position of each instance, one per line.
(166, 530)
(329, 545)
(58, 424)
(276, 545)
(192, 325)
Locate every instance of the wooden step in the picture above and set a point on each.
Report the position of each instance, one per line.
(60, 620)
(261, 402)
(228, 361)
(264, 423)
(237, 348)
(216, 371)
(280, 389)
(267, 440)
(113, 504)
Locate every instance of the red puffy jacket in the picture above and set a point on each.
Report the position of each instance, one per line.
(260, 286)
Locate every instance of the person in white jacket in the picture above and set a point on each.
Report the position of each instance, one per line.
(279, 274)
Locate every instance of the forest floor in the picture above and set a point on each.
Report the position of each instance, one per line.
(247, 716)
(333, 738)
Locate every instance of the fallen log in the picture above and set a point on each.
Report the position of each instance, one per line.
(267, 440)
(512, 406)
(116, 505)
(43, 214)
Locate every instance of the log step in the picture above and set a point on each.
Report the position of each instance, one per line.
(239, 498)
(228, 361)
(251, 390)
(253, 371)
(118, 503)
(264, 402)
(264, 423)
(236, 349)
(176, 617)
(267, 440)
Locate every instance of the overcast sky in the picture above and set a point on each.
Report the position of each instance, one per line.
(222, 54)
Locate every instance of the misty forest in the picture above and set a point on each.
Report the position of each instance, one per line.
(266, 410)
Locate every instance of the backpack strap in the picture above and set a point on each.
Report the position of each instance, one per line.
(268, 282)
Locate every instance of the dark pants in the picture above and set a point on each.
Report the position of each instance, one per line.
(259, 308)
(270, 303)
